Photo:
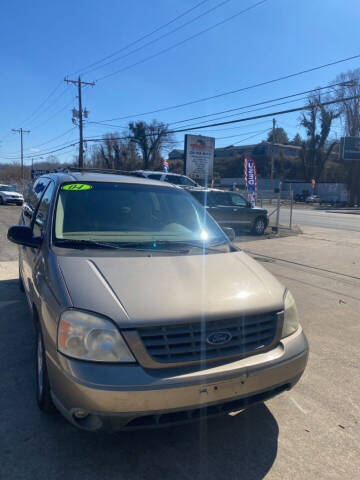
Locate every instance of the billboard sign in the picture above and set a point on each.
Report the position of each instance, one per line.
(351, 148)
(199, 157)
(250, 179)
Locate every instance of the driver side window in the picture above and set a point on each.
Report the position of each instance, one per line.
(42, 213)
(238, 200)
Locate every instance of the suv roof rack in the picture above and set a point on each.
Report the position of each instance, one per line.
(95, 170)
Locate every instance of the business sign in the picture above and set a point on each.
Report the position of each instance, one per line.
(199, 157)
(38, 173)
(250, 179)
(351, 148)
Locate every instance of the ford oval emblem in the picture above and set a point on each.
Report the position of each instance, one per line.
(218, 338)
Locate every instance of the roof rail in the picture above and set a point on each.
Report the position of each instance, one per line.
(96, 170)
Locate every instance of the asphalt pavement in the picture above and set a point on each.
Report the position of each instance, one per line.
(311, 432)
(321, 218)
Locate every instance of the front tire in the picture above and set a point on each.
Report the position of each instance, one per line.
(43, 391)
(259, 226)
(1, 201)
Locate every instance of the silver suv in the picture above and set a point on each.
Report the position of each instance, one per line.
(145, 313)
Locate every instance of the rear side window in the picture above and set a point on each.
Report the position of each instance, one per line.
(187, 181)
(173, 179)
(155, 176)
(42, 213)
(222, 199)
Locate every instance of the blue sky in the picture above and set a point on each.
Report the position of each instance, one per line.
(42, 42)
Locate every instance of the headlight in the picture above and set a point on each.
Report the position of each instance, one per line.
(291, 316)
(87, 336)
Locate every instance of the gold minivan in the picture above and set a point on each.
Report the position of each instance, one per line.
(146, 313)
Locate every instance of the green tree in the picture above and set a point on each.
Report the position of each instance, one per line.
(280, 136)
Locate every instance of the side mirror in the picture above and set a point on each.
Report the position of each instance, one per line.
(230, 233)
(23, 235)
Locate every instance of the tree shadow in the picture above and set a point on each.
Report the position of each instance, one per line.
(38, 446)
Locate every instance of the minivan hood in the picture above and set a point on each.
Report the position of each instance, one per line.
(136, 291)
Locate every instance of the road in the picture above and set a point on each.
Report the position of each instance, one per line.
(320, 218)
(311, 432)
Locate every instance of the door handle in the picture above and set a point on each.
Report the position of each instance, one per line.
(235, 209)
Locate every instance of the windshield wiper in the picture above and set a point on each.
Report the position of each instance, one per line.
(138, 246)
(84, 243)
(185, 243)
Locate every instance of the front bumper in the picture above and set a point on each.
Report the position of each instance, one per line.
(127, 396)
(14, 201)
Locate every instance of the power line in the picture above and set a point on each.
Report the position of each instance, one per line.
(252, 136)
(281, 112)
(54, 114)
(229, 122)
(40, 144)
(40, 113)
(183, 41)
(131, 44)
(243, 89)
(259, 103)
(250, 111)
(161, 36)
(43, 103)
(233, 109)
(54, 138)
(200, 127)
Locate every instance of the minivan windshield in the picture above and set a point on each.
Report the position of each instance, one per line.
(131, 214)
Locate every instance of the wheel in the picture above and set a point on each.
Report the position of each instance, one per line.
(1, 201)
(43, 392)
(259, 226)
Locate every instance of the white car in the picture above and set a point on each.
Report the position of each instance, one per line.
(174, 178)
(313, 199)
(9, 195)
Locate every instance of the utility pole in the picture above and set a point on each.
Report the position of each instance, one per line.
(79, 114)
(21, 131)
(272, 154)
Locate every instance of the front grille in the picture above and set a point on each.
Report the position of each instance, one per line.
(187, 342)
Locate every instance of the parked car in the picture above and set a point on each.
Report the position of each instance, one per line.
(145, 313)
(232, 209)
(313, 199)
(8, 195)
(173, 178)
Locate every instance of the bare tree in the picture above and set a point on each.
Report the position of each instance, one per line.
(314, 150)
(350, 113)
(115, 153)
(150, 139)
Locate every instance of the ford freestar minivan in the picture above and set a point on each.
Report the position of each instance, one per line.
(146, 314)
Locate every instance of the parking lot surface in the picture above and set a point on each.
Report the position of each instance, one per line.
(311, 432)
